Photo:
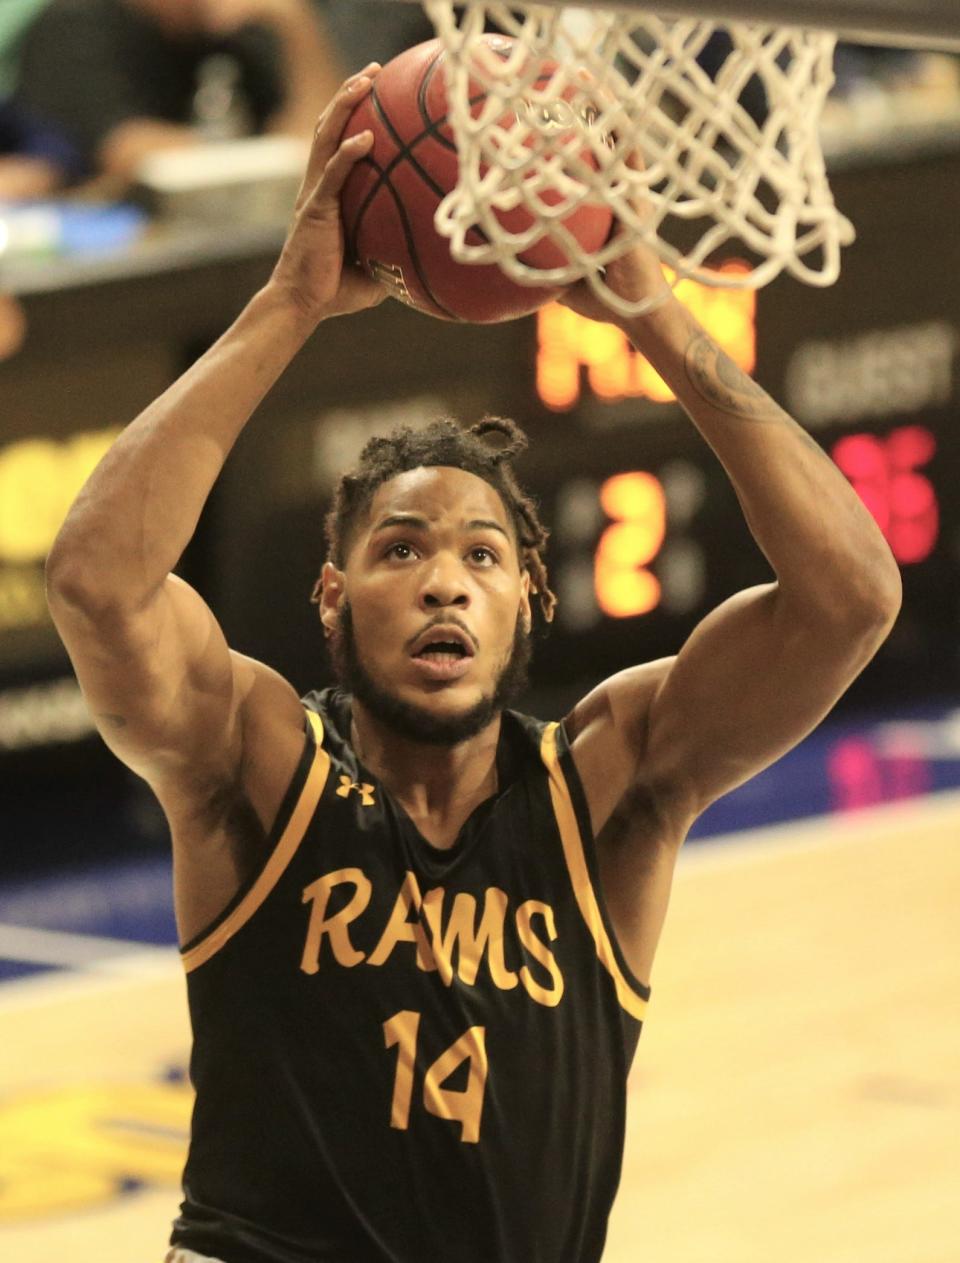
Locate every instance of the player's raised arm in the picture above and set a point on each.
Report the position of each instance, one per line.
(765, 667)
(151, 660)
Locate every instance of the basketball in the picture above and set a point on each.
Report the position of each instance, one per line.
(391, 196)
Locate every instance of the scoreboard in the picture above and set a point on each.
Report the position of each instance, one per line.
(647, 535)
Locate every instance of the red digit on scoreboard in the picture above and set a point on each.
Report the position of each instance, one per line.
(903, 502)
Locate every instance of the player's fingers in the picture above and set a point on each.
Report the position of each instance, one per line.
(333, 120)
(635, 160)
(341, 164)
(640, 191)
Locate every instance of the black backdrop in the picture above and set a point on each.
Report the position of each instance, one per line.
(106, 337)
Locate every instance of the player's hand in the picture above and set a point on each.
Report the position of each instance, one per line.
(636, 276)
(311, 270)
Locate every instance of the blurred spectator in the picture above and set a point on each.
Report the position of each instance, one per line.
(372, 30)
(34, 161)
(931, 77)
(117, 80)
(15, 17)
(880, 92)
(29, 160)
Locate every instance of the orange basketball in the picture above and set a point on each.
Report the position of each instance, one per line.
(392, 195)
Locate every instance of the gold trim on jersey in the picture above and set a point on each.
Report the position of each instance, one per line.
(634, 1003)
(280, 857)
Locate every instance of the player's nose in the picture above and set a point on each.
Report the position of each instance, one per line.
(444, 584)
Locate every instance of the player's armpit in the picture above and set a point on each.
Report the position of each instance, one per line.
(607, 731)
(755, 677)
(638, 832)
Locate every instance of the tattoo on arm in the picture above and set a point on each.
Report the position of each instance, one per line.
(718, 380)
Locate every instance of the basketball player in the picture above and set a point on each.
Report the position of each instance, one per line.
(418, 927)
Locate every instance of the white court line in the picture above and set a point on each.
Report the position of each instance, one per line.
(71, 951)
(827, 833)
(729, 850)
(131, 972)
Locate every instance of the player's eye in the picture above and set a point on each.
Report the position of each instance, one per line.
(399, 551)
(481, 555)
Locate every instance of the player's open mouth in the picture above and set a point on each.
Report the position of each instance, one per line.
(443, 653)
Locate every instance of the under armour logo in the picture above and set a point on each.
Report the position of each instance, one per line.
(347, 786)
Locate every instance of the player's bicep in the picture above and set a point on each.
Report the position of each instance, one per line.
(754, 678)
(161, 683)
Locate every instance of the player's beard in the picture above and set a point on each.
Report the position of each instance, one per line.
(416, 723)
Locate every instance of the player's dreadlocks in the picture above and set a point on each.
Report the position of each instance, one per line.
(444, 442)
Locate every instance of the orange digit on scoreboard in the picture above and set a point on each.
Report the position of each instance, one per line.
(638, 508)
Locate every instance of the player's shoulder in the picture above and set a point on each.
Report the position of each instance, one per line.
(270, 704)
(620, 703)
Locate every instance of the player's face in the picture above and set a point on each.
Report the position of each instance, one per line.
(438, 608)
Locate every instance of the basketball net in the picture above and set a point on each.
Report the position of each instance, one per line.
(622, 109)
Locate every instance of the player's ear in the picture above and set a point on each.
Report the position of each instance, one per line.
(332, 594)
(526, 614)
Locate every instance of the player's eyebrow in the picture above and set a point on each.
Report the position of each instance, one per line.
(482, 523)
(413, 522)
(410, 520)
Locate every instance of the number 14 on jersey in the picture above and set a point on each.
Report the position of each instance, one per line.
(465, 1105)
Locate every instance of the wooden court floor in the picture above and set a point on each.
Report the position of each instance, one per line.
(795, 1099)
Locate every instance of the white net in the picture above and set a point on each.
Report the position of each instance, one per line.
(700, 139)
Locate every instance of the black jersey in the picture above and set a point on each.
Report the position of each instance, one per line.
(408, 1054)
